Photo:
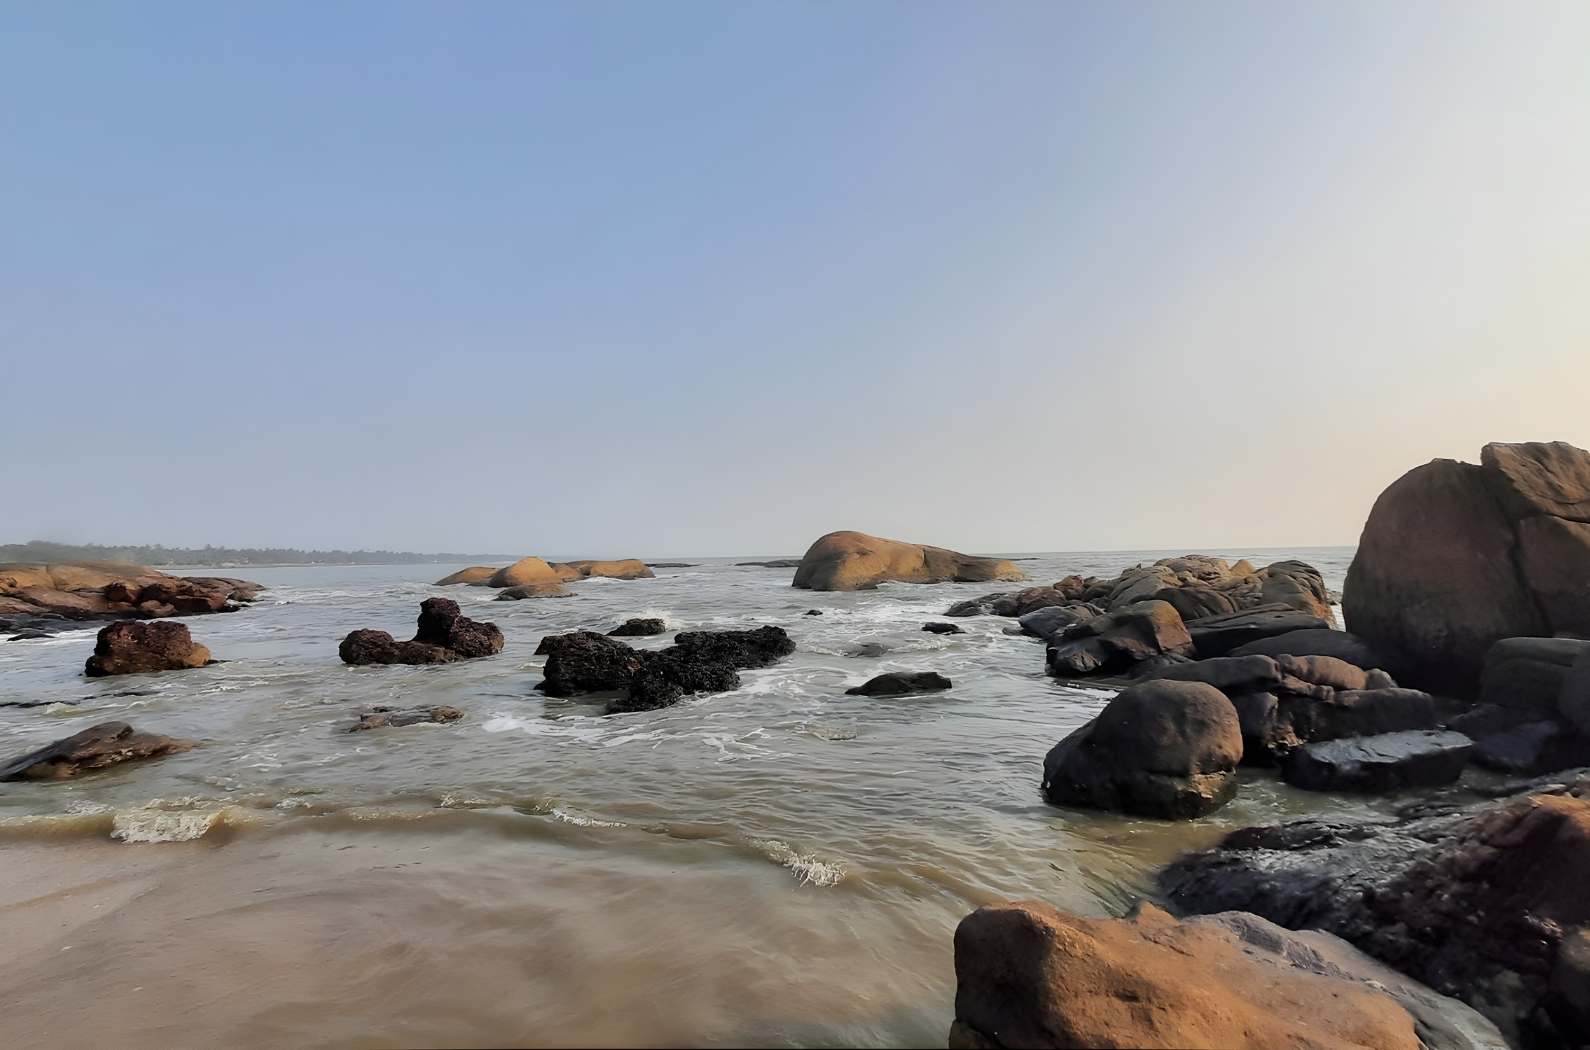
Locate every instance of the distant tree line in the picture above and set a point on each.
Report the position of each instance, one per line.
(42, 550)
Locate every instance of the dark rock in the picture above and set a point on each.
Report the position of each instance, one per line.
(1356, 712)
(444, 634)
(761, 647)
(29, 635)
(1151, 667)
(1117, 640)
(130, 647)
(698, 662)
(1228, 673)
(669, 675)
(1319, 641)
(899, 683)
(580, 662)
(1004, 603)
(1194, 603)
(942, 628)
(94, 748)
(776, 563)
(384, 716)
(1259, 716)
(1159, 749)
(812, 612)
(1049, 621)
(673, 564)
(1532, 748)
(1383, 763)
(1219, 635)
(634, 628)
(1573, 700)
(1527, 674)
(532, 590)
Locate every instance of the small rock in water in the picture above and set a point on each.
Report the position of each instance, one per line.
(943, 628)
(382, 716)
(869, 649)
(638, 627)
(1386, 762)
(813, 612)
(131, 646)
(28, 635)
(899, 683)
(444, 634)
(95, 747)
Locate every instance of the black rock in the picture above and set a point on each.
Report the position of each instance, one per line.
(900, 683)
(813, 612)
(444, 634)
(761, 647)
(1383, 763)
(1319, 641)
(1049, 621)
(1219, 635)
(1527, 674)
(580, 662)
(634, 628)
(1003, 604)
(943, 628)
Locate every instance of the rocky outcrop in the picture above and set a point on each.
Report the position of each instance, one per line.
(854, 561)
(1029, 975)
(1159, 749)
(100, 590)
(901, 683)
(1455, 557)
(444, 634)
(1219, 635)
(1114, 642)
(473, 574)
(385, 716)
(583, 662)
(625, 569)
(134, 647)
(1488, 905)
(1380, 764)
(639, 627)
(531, 577)
(106, 744)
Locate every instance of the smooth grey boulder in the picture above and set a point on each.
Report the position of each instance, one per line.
(1318, 641)
(1219, 635)
(1527, 674)
(1049, 621)
(1383, 763)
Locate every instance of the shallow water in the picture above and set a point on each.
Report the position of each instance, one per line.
(782, 864)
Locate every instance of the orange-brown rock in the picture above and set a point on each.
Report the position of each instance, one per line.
(532, 574)
(1028, 975)
(94, 748)
(133, 646)
(625, 569)
(473, 574)
(854, 561)
(103, 589)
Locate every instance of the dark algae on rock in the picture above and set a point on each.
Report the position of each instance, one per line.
(444, 634)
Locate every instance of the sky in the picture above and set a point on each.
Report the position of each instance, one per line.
(657, 278)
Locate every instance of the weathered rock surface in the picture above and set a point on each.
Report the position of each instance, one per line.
(530, 577)
(623, 569)
(1159, 749)
(133, 647)
(1112, 643)
(97, 590)
(1455, 557)
(1028, 975)
(854, 561)
(582, 662)
(473, 574)
(1526, 675)
(1319, 641)
(1383, 763)
(98, 746)
(1573, 698)
(1050, 621)
(1479, 905)
(385, 716)
(638, 627)
(900, 683)
(1219, 635)
(942, 628)
(444, 634)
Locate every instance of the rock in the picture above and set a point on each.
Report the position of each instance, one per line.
(1355, 713)
(1383, 763)
(385, 716)
(529, 578)
(812, 612)
(942, 628)
(1051, 620)
(1573, 697)
(698, 662)
(1003, 603)
(1532, 748)
(580, 662)
(1319, 641)
(625, 569)
(899, 683)
(1476, 904)
(1196, 603)
(761, 647)
(673, 564)
(634, 628)
(132, 647)
(1527, 674)
(536, 590)
(1455, 557)
(93, 590)
(1229, 674)
(851, 561)
(473, 574)
(1114, 642)
(94, 748)
(776, 563)
(1297, 585)
(1028, 975)
(444, 634)
(1158, 749)
(1219, 635)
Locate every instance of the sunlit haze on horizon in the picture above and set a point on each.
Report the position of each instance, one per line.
(666, 278)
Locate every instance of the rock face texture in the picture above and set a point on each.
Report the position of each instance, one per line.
(1381, 763)
(582, 662)
(101, 590)
(531, 576)
(98, 746)
(473, 574)
(1489, 905)
(901, 683)
(1159, 749)
(132, 647)
(1114, 642)
(1455, 557)
(385, 716)
(444, 634)
(854, 561)
(624, 569)
(1028, 975)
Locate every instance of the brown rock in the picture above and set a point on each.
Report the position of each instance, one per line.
(624, 569)
(1541, 478)
(473, 574)
(132, 646)
(444, 634)
(1554, 559)
(1028, 975)
(1112, 643)
(103, 745)
(532, 574)
(854, 561)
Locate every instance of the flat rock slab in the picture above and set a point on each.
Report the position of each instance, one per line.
(387, 717)
(106, 744)
(1219, 635)
(898, 683)
(1386, 762)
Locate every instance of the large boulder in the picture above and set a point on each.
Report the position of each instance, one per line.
(1158, 749)
(625, 569)
(1112, 643)
(444, 634)
(1382, 763)
(97, 590)
(580, 662)
(1029, 975)
(854, 561)
(106, 744)
(1526, 675)
(1219, 635)
(473, 574)
(532, 577)
(133, 647)
(1455, 557)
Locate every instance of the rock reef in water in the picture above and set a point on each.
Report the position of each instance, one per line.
(584, 662)
(901, 683)
(854, 561)
(103, 590)
(638, 627)
(444, 634)
(382, 717)
(134, 647)
(96, 747)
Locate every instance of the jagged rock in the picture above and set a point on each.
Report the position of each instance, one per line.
(473, 574)
(385, 716)
(1382, 763)
(698, 662)
(636, 628)
(444, 634)
(98, 746)
(132, 647)
(378, 647)
(851, 561)
(1115, 641)
(1159, 749)
(1028, 975)
(900, 683)
(942, 628)
(580, 662)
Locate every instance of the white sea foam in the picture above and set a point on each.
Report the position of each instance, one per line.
(811, 870)
(161, 825)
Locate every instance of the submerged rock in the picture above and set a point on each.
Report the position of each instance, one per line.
(636, 628)
(106, 744)
(900, 683)
(132, 647)
(853, 561)
(444, 634)
(1383, 763)
(942, 628)
(385, 716)
(582, 662)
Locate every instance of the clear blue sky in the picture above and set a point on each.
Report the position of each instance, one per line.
(676, 278)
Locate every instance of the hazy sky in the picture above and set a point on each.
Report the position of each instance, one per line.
(673, 278)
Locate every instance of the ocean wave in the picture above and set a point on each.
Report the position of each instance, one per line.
(808, 868)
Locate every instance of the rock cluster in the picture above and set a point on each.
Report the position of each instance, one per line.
(444, 635)
(133, 647)
(584, 662)
(101, 590)
(535, 578)
(106, 744)
(854, 561)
